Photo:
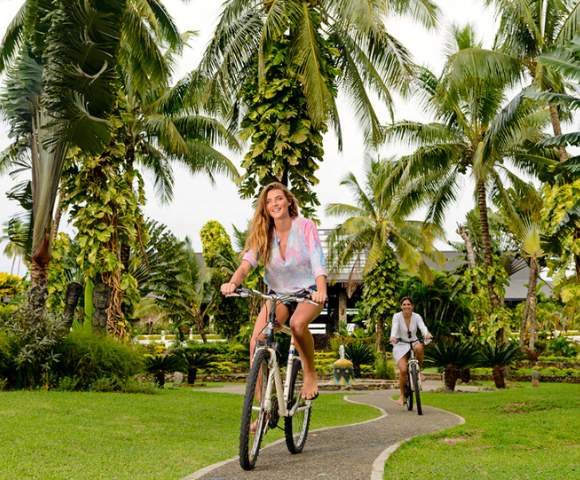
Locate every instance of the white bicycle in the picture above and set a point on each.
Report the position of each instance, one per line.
(267, 398)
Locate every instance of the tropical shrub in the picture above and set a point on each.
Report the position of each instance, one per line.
(498, 357)
(31, 340)
(452, 355)
(161, 364)
(561, 346)
(194, 356)
(359, 353)
(384, 367)
(87, 356)
(10, 285)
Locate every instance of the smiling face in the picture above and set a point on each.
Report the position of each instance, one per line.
(277, 204)
(407, 307)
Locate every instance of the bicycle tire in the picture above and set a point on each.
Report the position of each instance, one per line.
(408, 394)
(296, 426)
(250, 441)
(415, 379)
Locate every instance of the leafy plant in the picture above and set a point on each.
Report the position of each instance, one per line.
(498, 356)
(359, 353)
(561, 346)
(160, 364)
(194, 357)
(88, 356)
(451, 355)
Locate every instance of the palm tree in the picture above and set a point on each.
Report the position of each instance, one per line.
(520, 207)
(59, 90)
(378, 225)
(306, 52)
(530, 28)
(477, 132)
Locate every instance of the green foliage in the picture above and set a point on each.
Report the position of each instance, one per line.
(563, 347)
(228, 313)
(443, 304)
(285, 145)
(359, 353)
(87, 357)
(499, 355)
(160, 364)
(487, 320)
(384, 367)
(379, 295)
(10, 285)
(452, 354)
(30, 347)
(62, 270)
(105, 194)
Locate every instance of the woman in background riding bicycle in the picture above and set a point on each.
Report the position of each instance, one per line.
(405, 324)
(289, 248)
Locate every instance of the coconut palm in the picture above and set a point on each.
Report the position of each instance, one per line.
(478, 131)
(378, 225)
(282, 63)
(530, 28)
(520, 209)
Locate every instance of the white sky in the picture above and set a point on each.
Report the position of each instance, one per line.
(197, 201)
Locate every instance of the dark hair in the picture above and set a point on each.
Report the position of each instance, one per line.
(406, 298)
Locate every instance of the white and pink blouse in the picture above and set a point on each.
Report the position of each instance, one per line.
(303, 259)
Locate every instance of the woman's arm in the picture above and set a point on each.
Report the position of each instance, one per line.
(237, 278)
(394, 329)
(423, 327)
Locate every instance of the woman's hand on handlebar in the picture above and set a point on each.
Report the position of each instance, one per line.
(393, 340)
(228, 288)
(318, 297)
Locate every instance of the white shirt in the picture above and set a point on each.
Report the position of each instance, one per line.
(399, 327)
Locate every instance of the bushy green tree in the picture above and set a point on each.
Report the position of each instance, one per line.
(228, 313)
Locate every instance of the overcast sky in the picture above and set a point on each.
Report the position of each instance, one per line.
(196, 200)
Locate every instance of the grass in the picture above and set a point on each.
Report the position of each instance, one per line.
(80, 435)
(519, 433)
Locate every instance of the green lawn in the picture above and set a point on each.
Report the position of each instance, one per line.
(64, 435)
(519, 433)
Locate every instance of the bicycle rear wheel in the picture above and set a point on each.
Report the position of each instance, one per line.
(296, 426)
(414, 371)
(254, 415)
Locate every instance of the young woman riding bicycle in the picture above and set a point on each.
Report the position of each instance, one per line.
(404, 326)
(289, 247)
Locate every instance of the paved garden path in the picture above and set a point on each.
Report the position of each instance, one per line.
(355, 452)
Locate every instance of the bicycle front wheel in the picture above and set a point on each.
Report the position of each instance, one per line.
(296, 425)
(415, 379)
(254, 415)
(408, 394)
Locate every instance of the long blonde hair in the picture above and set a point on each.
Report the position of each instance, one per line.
(260, 237)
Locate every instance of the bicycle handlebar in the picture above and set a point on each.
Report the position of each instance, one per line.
(278, 297)
(426, 341)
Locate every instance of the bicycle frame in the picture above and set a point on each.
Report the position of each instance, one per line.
(274, 377)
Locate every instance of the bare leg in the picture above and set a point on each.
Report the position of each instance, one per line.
(403, 365)
(304, 342)
(420, 353)
(261, 321)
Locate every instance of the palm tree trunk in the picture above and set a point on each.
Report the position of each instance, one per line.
(486, 239)
(464, 234)
(57, 217)
(556, 126)
(498, 373)
(39, 275)
(531, 301)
